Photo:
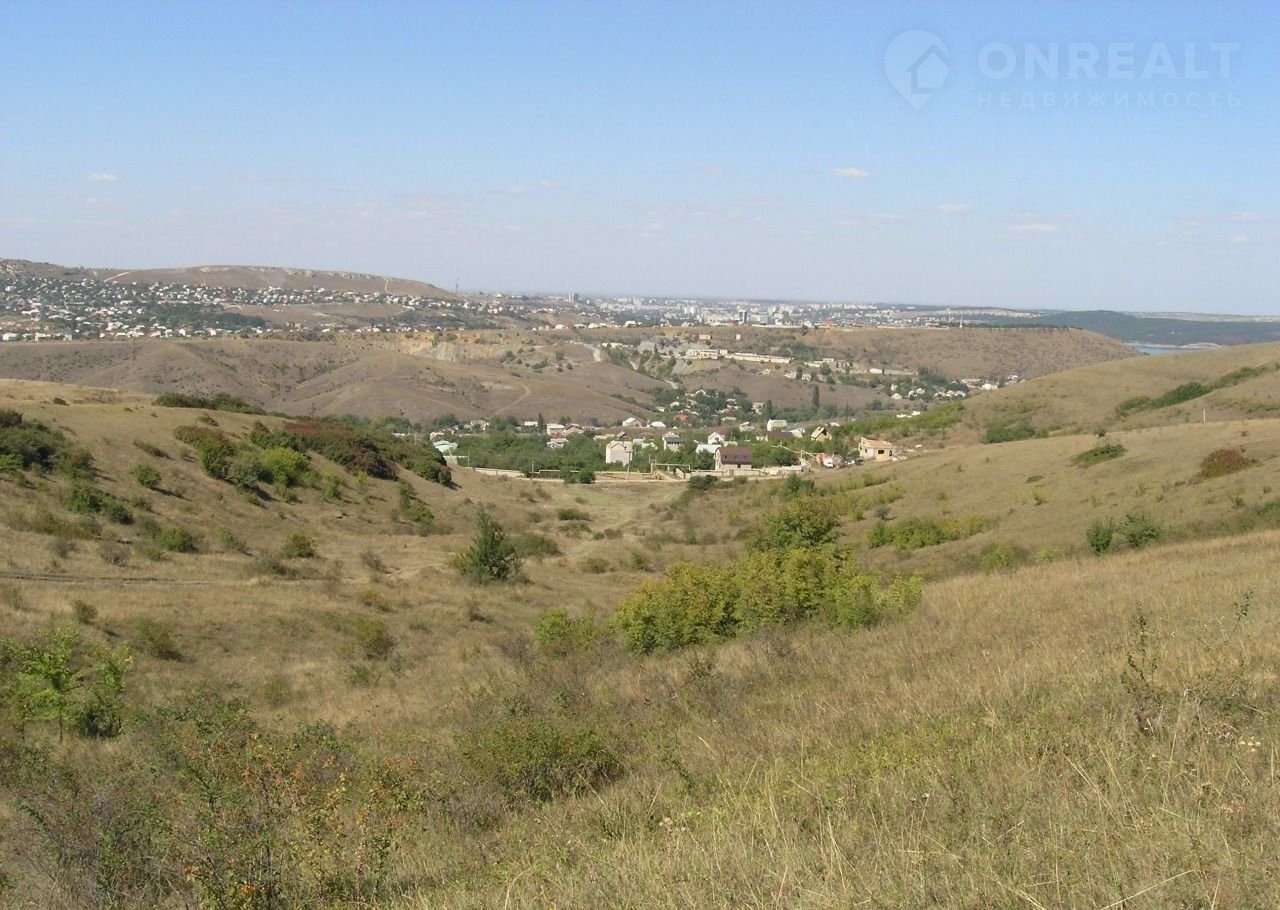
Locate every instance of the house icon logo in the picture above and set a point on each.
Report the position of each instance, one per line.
(917, 64)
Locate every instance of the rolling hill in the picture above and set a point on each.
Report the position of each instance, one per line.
(350, 723)
(233, 276)
(564, 374)
(1235, 382)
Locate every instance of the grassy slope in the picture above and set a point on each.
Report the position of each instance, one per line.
(984, 752)
(225, 612)
(1085, 399)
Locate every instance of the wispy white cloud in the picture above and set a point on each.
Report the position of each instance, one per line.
(104, 178)
(1247, 217)
(863, 221)
(549, 184)
(1034, 228)
(851, 172)
(1240, 238)
(952, 208)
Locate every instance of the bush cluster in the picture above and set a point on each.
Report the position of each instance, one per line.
(916, 533)
(1099, 454)
(26, 444)
(219, 402)
(1010, 431)
(1138, 530)
(368, 451)
(694, 604)
(89, 500)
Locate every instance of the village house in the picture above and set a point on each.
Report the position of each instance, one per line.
(715, 438)
(671, 442)
(733, 458)
(618, 451)
(871, 449)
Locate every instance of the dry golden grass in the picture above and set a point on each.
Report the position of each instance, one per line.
(1084, 399)
(1015, 742)
(987, 752)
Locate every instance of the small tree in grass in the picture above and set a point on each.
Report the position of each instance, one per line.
(491, 556)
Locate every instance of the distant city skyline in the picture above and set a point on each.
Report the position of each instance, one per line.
(1084, 156)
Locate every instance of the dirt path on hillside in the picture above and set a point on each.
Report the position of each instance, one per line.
(523, 395)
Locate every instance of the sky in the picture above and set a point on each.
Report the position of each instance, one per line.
(1041, 155)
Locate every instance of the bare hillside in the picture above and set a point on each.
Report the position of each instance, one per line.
(1235, 383)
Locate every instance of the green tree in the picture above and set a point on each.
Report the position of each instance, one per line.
(491, 557)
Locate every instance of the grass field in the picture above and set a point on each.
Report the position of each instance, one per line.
(361, 727)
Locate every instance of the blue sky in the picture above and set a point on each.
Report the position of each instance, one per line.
(718, 149)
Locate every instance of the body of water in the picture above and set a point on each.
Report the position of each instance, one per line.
(1154, 349)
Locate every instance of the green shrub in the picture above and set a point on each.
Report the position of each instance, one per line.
(696, 604)
(917, 533)
(155, 639)
(1139, 530)
(569, 513)
(1185, 392)
(145, 475)
(175, 539)
(90, 500)
(531, 545)
(28, 444)
(491, 556)
(795, 485)
(298, 546)
(214, 450)
(414, 510)
(229, 541)
(85, 613)
(1009, 431)
(331, 487)
(1100, 534)
(533, 757)
(805, 523)
(1000, 556)
(284, 466)
(556, 630)
(594, 565)
(218, 402)
(372, 637)
(1099, 454)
